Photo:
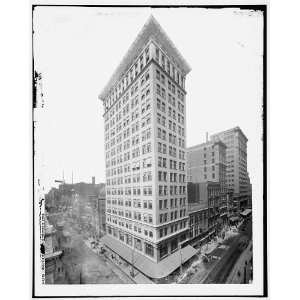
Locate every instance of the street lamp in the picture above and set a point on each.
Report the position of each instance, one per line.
(180, 253)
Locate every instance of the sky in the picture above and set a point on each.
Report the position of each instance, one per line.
(78, 48)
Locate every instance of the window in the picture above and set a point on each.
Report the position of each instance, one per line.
(157, 75)
(158, 89)
(138, 244)
(174, 245)
(157, 54)
(163, 251)
(149, 250)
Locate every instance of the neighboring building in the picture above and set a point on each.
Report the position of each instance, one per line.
(198, 222)
(203, 208)
(249, 192)
(211, 192)
(101, 214)
(236, 159)
(54, 271)
(207, 162)
(198, 213)
(146, 206)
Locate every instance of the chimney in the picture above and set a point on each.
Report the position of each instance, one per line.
(93, 180)
(206, 137)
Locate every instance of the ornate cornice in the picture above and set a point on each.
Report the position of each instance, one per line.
(150, 31)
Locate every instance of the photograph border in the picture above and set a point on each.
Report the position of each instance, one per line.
(264, 9)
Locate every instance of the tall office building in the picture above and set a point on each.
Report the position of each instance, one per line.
(146, 194)
(207, 162)
(236, 159)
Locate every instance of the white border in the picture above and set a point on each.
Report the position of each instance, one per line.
(256, 288)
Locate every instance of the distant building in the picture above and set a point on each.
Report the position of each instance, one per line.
(249, 192)
(54, 270)
(207, 162)
(236, 159)
(101, 214)
(63, 196)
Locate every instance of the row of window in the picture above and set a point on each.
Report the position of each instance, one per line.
(161, 120)
(127, 168)
(172, 203)
(168, 67)
(171, 112)
(127, 79)
(135, 215)
(173, 190)
(147, 191)
(173, 215)
(132, 241)
(145, 121)
(173, 177)
(172, 228)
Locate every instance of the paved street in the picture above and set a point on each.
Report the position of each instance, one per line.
(83, 266)
(217, 270)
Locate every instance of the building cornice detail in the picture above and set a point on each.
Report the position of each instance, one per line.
(151, 31)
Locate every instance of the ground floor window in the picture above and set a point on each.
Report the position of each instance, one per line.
(109, 230)
(183, 237)
(138, 244)
(149, 250)
(115, 232)
(121, 236)
(163, 251)
(129, 239)
(174, 245)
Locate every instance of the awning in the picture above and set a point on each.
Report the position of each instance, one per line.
(53, 254)
(203, 239)
(246, 212)
(147, 266)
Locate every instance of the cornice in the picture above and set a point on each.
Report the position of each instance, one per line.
(150, 31)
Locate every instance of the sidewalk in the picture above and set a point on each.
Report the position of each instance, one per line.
(122, 265)
(198, 269)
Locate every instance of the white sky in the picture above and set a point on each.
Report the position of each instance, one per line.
(77, 50)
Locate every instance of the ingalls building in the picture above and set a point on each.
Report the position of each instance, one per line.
(145, 137)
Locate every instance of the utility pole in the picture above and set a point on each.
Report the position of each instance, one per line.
(132, 261)
(180, 260)
(180, 254)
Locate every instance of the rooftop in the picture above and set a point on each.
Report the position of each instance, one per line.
(151, 30)
(234, 129)
(206, 144)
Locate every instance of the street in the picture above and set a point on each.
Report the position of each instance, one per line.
(217, 270)
(83, 266)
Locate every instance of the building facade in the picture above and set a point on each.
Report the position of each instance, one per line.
(236, 159)
(144, 118)
(54, 270)
(101, 214)
(204, 210)
(207, 162)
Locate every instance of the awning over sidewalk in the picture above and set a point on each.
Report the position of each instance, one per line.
(246, 212)
(146, 265)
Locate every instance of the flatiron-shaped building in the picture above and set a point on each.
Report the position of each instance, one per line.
(145, 138)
